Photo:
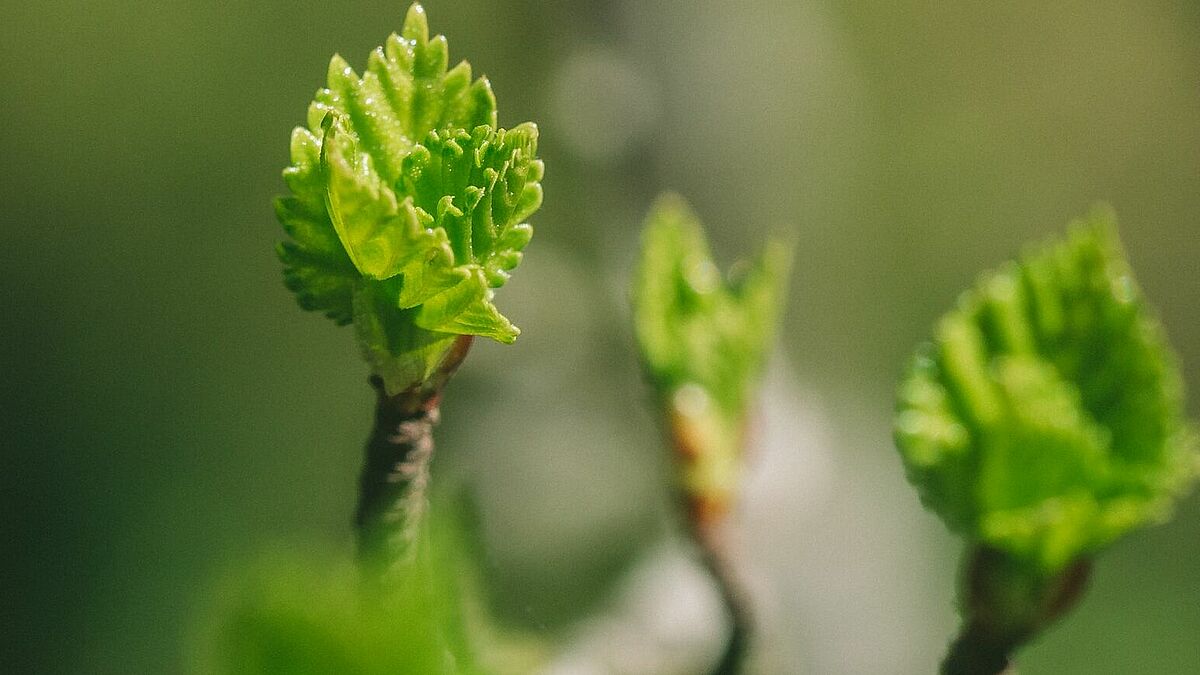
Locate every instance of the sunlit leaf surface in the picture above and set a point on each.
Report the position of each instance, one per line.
(408, 204)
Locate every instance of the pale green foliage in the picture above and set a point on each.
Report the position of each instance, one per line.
(1045, 419)
(295, 619)
(408, 204)
(290, 615)
(704, 340)
(693, 325)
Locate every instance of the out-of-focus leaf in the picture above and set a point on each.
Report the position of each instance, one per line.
(704, 338)
(1045, 419)
(291, 615)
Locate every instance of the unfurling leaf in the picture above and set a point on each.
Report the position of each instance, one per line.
(1045, 419)
(408, 204)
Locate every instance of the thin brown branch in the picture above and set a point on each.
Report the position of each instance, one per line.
(1005, 605)
(394, 482)
(710, 530)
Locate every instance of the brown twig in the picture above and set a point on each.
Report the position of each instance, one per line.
(395, 475)
(1004, 606)
(710, 530)
(976, 652)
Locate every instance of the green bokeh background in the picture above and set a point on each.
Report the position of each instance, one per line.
(168, 412)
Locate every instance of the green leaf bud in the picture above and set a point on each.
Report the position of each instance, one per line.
(408, 204)
(1045, 419)
(704, 340)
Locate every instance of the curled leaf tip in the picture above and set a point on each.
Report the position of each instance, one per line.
(416, 25)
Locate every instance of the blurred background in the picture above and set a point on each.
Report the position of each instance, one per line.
(169, 413)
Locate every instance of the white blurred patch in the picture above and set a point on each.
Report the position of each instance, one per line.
(664, 619)
(832, 546)
(835, 564)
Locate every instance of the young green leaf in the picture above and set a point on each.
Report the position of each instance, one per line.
(704, 339)
(408, 204)
(1045, 420)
